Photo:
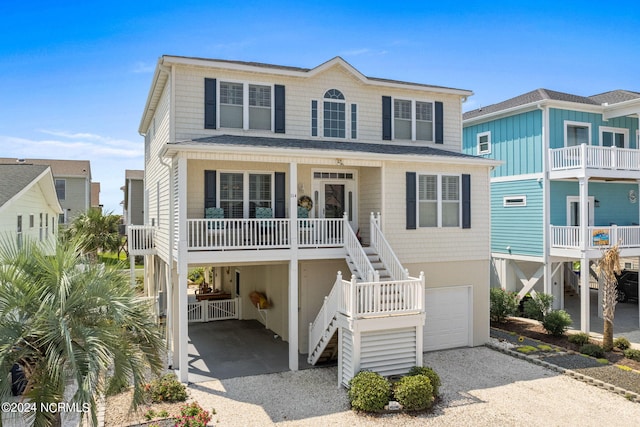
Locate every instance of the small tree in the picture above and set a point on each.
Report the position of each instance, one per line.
(96, 232)
(609, 266)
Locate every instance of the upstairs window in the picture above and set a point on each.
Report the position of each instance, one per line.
(259, 107)
(61, 188)
(576, 133)
(334, 114)
(413, 120)
(231, 97)
(484, 142)
(613, 137)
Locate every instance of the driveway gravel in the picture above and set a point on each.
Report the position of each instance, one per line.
(480, 387)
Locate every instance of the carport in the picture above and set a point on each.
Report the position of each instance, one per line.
(236, 348)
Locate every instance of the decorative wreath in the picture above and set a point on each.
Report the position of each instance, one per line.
(305, 202)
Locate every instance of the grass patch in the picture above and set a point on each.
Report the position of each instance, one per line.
(526, 349)
(602, 361)
(545, 347)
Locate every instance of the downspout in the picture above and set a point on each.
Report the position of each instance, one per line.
(546, 216)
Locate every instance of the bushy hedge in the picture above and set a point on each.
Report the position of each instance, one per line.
(167, 389)
(369, 391)
(592, 350)
(434, 378)
(579, 339)
(414, 392)
(632, 354)
(502, 304)
(556, 322)
(538, 306)
(622, 343)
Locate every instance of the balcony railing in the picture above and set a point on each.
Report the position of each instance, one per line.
(140, 239)
(599, 237)
(594, 157)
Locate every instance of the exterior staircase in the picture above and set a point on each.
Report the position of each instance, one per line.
(380, 305)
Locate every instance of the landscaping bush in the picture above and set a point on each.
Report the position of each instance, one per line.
(167, 389)
(622, 343)
(192, 415)
(414, 392)
(632, 354)
(556, 322)
(579, 339)
(502, 304)
(369, 391)
(538, 306)
(592, 350)
(434, 378)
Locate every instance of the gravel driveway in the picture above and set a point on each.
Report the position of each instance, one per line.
(480, 387)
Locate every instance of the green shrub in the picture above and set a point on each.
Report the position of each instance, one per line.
(434, 378)
(414, 392)
(592, 350)
(369, 391)
(167, 389)
(502, 304)
(196, 275)
(556, 322)
(538, 306)
(579, 339)
(192, 415)
(116, 386)
(622, 343)
(632, 354)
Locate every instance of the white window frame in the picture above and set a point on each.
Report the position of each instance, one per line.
(514, 201)
(245, 103)
(614, 130)
(480, 135)
(591, 202)
(439, 201)
(347, 114)
(413, 118)
(245, 188)
(568, 123)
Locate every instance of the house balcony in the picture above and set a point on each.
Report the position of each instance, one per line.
(567, 240)
(594, 161)
(141, 239)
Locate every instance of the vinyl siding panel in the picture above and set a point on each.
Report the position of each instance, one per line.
(518, 227)
(370, 199)
(515, 140)
(76, 200)
(388, 352)
(557, 117)
(615, 207)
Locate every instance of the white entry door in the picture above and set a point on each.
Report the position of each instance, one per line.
(448, 318)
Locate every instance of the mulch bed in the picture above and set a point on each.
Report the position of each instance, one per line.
(565, 354)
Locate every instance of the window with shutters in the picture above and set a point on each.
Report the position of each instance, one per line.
(334, 119)
(439, 201)
(242, 106)
(240, 193)
(231, 105)
(259, 107)
(412, 120)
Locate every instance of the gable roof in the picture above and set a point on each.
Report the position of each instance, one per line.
(16, 178)
(540, 95)
(59, 168)
(324, 147)
(161, 75)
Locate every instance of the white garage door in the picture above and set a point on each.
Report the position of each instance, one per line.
(448, 318)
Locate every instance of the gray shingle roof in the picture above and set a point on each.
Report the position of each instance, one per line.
(322, 145)
(537, 95)
(13, 178)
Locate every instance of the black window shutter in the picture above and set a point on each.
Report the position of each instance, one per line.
(386, 118)
(280, 208)
(466, 201)
(210, 103)
(210, 189)
(439, 123)
(411, 200)
(279, 113)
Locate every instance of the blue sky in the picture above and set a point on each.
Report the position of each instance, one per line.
(74, 76)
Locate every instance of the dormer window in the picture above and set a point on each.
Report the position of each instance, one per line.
(334, 114)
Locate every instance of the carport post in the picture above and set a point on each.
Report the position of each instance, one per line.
(293, 267)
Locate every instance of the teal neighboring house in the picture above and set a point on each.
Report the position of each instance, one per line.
(567, 188)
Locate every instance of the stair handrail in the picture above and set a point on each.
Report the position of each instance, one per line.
(384, 250)
(326, 314)
(357, 254)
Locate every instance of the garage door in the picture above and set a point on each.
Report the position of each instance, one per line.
(448, 315)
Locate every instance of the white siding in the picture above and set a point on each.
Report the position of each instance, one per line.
(389, 351)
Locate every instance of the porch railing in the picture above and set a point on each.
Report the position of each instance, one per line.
(596, 157)
(598, 236)
(140, 239)
(384, 250)
(211, 310)
(251, 233)
(320, 232)
(357, 254)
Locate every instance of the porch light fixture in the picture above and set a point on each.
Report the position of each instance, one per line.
(340, 162)
(596, 203)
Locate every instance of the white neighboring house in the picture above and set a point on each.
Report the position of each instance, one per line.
(278, 178)
(29, 207)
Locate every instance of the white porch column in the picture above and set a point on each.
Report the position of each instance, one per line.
(600, 296)
(584, 261)
(293, 267)
(182, 318)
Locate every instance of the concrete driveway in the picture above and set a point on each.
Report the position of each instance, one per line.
(480, 387)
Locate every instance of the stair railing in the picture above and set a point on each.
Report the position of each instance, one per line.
(384, 250)
(357, 255)
(326, 314)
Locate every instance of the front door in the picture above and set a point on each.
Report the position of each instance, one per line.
(573, 210)
(335, 197)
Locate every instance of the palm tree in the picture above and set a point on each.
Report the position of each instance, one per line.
(97, 232)
(68, 326)
(609, 266)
